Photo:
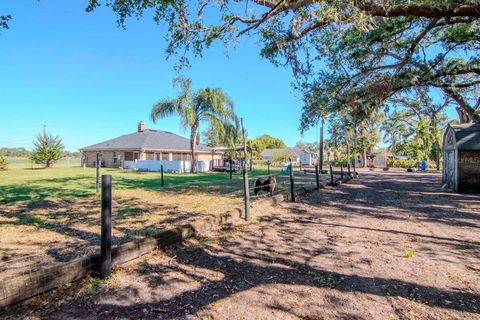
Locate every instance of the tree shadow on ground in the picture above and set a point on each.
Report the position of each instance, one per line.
(289, 251)
(73, 229)
(416, 197)
(11, 194)
(240, 275)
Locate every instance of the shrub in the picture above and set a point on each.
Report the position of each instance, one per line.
(409, 254)
(3, 163)
(340, 161)
(401, 163)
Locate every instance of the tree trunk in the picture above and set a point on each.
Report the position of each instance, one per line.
(348, 153)
(364, 156)
(354, 144)
(437, 143)
(466, 113)
(320, 158)
(193, 143)
(364, 152)
(394, 144)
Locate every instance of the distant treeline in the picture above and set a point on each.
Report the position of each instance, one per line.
(24, 153)
(14, 152)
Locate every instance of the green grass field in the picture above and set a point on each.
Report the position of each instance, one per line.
(22, 163)
(24, 182)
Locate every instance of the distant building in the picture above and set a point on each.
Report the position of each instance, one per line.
(147, 149)
(297, 155)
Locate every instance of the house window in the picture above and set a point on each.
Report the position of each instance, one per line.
(150, 156)
(136, 156)
(128, 156)
(116, 156)
(158, 156)
(176, 156)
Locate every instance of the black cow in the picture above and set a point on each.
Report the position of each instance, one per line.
(265, 184)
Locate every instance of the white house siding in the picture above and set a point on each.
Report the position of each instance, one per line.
(308, 159)
(168, 166)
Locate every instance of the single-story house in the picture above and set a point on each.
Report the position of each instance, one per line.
(148, 149)
(297, 155)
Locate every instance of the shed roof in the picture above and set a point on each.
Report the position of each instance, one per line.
(147, 140)
(467, 136)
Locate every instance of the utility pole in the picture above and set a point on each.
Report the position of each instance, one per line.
(320, 151)
(245, 175)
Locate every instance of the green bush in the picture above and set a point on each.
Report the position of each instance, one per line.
(340, 161)
(401, 163)
(259, 163)
(3, 163)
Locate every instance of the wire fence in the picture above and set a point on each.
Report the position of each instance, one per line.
(283, 183)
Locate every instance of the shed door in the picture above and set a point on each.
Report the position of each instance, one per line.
(450, 170)
(468, 175)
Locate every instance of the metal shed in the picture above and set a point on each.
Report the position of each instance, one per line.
(461, 158)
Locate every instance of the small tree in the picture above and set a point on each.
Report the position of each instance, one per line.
(3, 163)
(47, 149)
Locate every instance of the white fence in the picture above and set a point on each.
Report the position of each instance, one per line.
(177, 166)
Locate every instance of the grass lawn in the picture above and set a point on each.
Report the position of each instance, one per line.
(49, 215)
(23, 163)
(65, 181)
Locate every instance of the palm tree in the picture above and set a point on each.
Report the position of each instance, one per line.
(395, 129)
(210, 105)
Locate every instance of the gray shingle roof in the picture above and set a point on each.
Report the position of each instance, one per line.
(147, 140)
(467, 136)
(272, 152)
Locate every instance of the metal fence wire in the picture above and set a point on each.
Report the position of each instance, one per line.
(282, 184)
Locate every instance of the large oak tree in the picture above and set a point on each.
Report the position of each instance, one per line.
(353, 54)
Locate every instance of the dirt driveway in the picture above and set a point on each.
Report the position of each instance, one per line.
(387, 246)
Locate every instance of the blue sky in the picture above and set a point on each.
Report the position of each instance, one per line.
(89, 81)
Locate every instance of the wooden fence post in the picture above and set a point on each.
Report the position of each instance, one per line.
(349, 173)
(341, 171)
(317, 176)
(331, 175)
(354, 170)
(161, 173)
(268, 166)
(106, 237)
(97, 165)
(231, 168)
(292, 182)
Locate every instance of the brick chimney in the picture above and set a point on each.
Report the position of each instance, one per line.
(141, 126)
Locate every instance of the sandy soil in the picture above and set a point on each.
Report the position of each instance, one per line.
(387, 246)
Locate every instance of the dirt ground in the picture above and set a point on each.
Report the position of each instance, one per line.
(386, 246)
(41, 233)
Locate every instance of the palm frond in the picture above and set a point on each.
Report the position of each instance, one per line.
(163, 109)
(184, 83)
(210, 105)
